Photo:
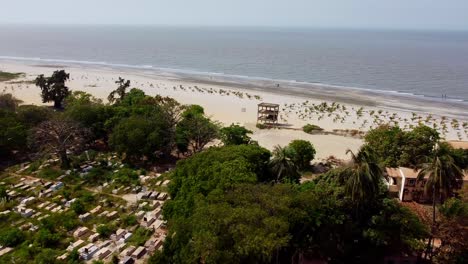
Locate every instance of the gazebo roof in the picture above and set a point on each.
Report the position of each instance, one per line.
(268, 105)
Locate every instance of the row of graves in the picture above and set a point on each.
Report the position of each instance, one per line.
(91, 247)
(27, 194)
(148, 211)
(89, 244)
(37, 199)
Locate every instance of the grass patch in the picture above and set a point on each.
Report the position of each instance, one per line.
(140, 236)
(50, 173)
(8, 76)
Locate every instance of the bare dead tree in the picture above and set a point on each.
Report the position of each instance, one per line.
(60, 136)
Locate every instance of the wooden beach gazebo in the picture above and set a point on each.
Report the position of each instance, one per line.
(268, 113)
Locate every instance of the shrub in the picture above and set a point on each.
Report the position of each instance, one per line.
(309, 128)
(303, 152)
(261, 126)
(11, 237)
(105, 231)
(129, 220)
(78, 207)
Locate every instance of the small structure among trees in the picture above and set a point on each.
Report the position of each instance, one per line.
(268, 113)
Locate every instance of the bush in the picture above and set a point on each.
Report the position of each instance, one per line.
(11, 237)
(105, 231)
(235, 135)
(129, 220)
(78, 207)
(302, 153)
(45, 238)
(309, 128)
(261, 126)
(32, 115)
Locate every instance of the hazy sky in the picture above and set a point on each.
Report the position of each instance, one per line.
(406, 14)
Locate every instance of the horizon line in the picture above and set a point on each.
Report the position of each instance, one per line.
(237, 26)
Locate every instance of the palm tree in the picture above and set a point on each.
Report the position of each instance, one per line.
(363, 176)
(443, 175)
(282, 164)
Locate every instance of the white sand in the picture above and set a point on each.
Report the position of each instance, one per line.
(232, 109)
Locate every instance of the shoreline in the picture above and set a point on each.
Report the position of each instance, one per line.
(229, 101)
(341, 93)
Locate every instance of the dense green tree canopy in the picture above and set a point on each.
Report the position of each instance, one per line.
(138, 136)
(235, 135)
(195, 131)
(13, 134)
(302, 153)
(11, 237)
(396, 228)
(89, 112)
(386, 141)
(215, 169)
(418, 143)
(237, 203)
(220, 212)
(395, 147)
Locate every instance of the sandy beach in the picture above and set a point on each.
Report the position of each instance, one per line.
(236, 102)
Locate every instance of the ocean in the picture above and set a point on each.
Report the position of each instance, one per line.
(419, 63)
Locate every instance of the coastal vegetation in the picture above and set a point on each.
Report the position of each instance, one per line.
(9, 76)
(231, 200)
(310, 129)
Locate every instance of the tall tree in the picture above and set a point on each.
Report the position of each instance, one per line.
(195, 130)
(172, 109)
(138, 136)
(386, 141)
(118, 94)
(235, 135)
(53, 88)
(89, 112)
(395, 147)
(418, 143)
(363, 176)
(443, 176)
(283, 166)
(60, 136)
